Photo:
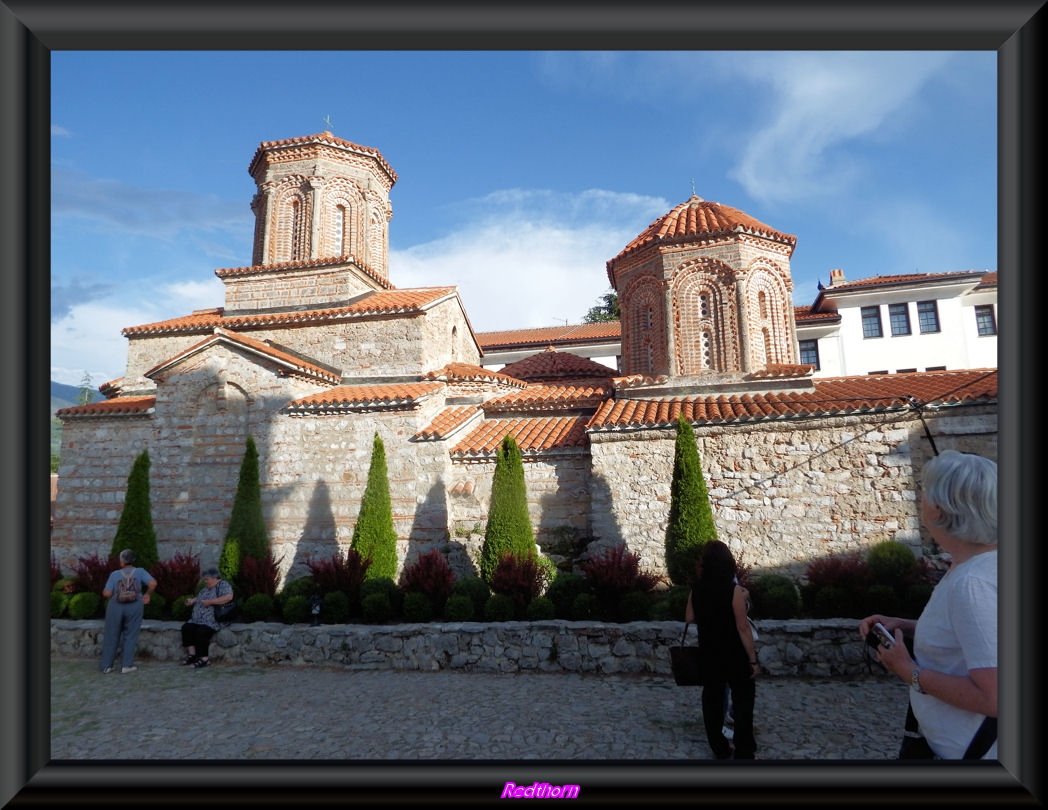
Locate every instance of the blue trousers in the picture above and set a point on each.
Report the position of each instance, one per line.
(123, 621)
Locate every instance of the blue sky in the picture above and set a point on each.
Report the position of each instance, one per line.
(520, 173)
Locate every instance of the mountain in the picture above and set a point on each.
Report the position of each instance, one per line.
(66, 396)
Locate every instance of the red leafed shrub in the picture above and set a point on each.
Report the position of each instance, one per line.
(340, 573)
(56, 570)
(430, 574)
(519, 578)
(615, 571)
(845, 573)
(257, 576)
(92, 572)
(177, 577)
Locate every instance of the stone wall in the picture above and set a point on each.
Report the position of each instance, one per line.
(825, 648)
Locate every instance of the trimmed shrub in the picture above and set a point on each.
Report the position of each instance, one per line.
(417, 607)
(387, 586)
(180, 611)
(519, 578)
(475, 589)
(85, 605)
(67, 585)
(376, 607)
(374, 535)
(892, 564)
(540, 609)
(458, 608)
(508, 530)
(431, 575)
(343, 573)
(634, 606)
(257, 575)
(847, 572)
(156, 609)
(135, 529)
(613, 573)
(296, 609)
(176, 576)
(670, 604)
(59, 603)
(229, 560)
(585, 608)
(93, 572)
(774, 596)
(563, 590)
(334, 608)
(690, 524)
(833, 601)
(258, 607)
(915, 598)
(500, 608)
(247, 525)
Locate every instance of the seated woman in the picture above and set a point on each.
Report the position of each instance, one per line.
(202, 625)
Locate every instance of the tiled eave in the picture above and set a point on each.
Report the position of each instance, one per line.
(469, 373)
(360, 398)
(383, 303)
(584, 333)
(303, 264)
(568, 395)
(119, 406)
(536, 436)
(553, 366)
(831, 396)
(448, 422)
(969, 278)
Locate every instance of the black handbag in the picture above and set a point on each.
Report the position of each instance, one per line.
(686, 662)
(914, 746)
(224, 613)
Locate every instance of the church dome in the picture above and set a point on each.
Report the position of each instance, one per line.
(699, 220)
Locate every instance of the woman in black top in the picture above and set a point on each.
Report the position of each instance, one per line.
(717, 605)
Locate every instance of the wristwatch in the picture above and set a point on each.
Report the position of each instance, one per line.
(915, 680)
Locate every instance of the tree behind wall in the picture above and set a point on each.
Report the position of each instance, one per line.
(690, 523)
(135, 530)
(246, 535)
(374, 536)
(509, 525)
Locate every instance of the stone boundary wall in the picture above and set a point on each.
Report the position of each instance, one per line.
(824, 648)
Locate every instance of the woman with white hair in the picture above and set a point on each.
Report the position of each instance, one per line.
(952, 672)
(128, 590)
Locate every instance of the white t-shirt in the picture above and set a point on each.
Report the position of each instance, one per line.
(957, 632)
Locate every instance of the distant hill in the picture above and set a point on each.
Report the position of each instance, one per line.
(66, 396)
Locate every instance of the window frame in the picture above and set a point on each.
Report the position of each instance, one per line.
(930, 310)
(984, 312)
(899, 314)
(868, 314)
(813, 348)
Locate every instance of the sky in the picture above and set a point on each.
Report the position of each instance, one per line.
(520, 173)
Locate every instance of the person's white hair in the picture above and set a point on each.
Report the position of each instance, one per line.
(964, 487)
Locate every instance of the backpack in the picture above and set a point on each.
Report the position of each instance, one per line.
(127, 588)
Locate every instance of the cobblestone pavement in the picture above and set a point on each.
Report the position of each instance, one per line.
(290, 713)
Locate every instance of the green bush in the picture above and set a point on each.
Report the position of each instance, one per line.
(296, 609)
(156, 609)
(259, 607)
(67, 585)
(915, 598)
(59, 603)
(881, 598)
(834, 601)
(387, 586)
(635, 606)
(417, 607)
(585, 608)
(563, 590)
(892, 564)
(85, 605)
(774, 596)
(180, 611)
(475, 589)
(374, 535)
(670, 604)
(508, 529)
(540, 609)
(690, 523)
(376, 607)
(334, 608)
(500, 608)
(300, 586)
(458, 608)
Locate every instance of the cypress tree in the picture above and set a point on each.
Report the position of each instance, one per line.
(690, 523)
(246, 534)
(135, 530)
(374, 535)
(509, 525)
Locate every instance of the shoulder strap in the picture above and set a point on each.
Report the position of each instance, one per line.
(985, 737)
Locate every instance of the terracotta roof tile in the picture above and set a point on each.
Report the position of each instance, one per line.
(907, 278)
(547, 335)
(365, 397)
(809, 315)
(118, 406)
(553, 365)
(321, 138)
(831, 396)
(697, 219)
(289, 364)
(467, 372)
(781, 371)
(566, 395)
(533, 435)
(447, 422)
(302, 264)
(385, 302)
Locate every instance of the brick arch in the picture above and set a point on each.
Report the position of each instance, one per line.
(342, 219)
(769, 313)
(643, 327)
(291, 218)
(705, 320)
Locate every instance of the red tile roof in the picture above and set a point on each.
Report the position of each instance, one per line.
(447, 422)
(365, 397)
(565, 395)
(907, 278)
(118, 406)
(303, 264)
(325, 138)
(553, 365)
(831, 396)
(467, 372)
(385, 302)
(602, 331)
(289, 364)
(807, 315)
(533, 436)
(697, 219)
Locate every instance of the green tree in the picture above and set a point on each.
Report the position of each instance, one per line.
(375, 536)
(690, 523)
(606, 310)
(86, 394)
(135, 530)
(509, 525)
(246, 534)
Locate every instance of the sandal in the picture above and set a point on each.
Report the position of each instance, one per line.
(189, 659)
(200, 663)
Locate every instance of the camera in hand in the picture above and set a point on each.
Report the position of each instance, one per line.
(879, 635)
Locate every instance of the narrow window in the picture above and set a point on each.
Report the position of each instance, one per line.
(871, 322)
(928, 316)
(899, 318)
(762, 300)
(985, 320)
(810, 353)
(905, 370)
(936, 368)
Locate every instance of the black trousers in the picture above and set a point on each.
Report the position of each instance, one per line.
(743, 697)
(197, 636)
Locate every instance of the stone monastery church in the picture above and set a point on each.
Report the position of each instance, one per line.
(314, 350)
